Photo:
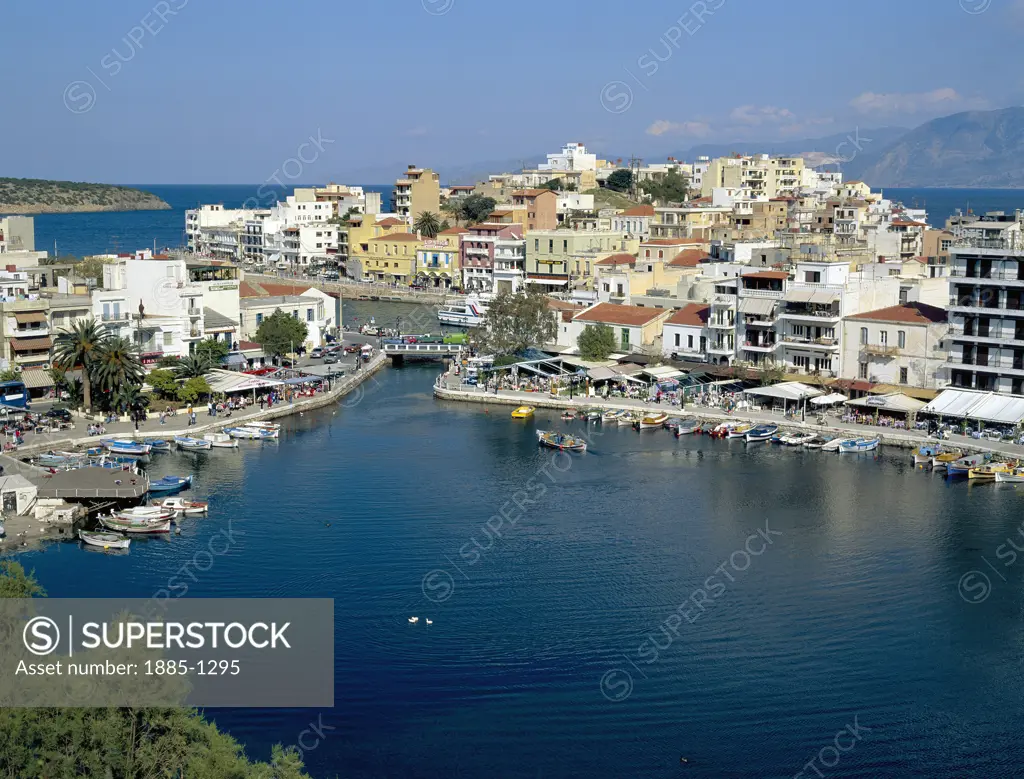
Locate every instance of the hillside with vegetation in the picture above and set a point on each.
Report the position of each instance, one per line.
(609, 198)
(39, 196)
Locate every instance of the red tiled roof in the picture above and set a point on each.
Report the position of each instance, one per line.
(397, 237)
(644, 210)
(692, 314)
(454, 231)
(247, 290)
(767, 274)
(907, 223)
(247, 346)
(688, 258)
(563, 305)
(530, 192)
(667, 242)
(617, 259)
(626, 316)
(908, 313)
(390, 222)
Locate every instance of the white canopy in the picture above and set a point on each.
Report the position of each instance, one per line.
(828, 400)
(229, 381)
(787, 390)
(982, 406)
(894, 401)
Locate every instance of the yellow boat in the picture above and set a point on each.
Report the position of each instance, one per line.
(523, 412)
(988, 472)
(943, 460)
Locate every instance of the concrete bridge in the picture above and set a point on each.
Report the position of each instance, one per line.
(398, 352)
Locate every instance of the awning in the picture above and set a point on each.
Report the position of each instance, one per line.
(895, 401)
(229, 381)
(982, 406)
(214, 322)
(758, 306)
(555, 282)
(828, 400)
(30, 317)
(663, 372)
(31, 344)
(787, 390)
(954, 403)
(798, 295)
(36, 378)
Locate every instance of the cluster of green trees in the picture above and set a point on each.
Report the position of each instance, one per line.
(596, 342)
(280, 334)
(107, 364)
(673, 187)
(469, 209)
(122, 743)
(515, 322)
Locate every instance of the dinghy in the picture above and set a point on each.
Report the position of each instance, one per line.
(650, 421)
(854, 445)
(104, 540)
(523, 412)
(170, 484)
(561, 441)
(192, 444)
(182, 507)
(125, 446)
(221, 441)
(761, 433)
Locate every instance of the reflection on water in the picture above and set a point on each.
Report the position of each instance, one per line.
(398, 505)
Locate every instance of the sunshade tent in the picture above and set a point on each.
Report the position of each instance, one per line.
(828, 400)
(979, 406)
(895, 402)
(787, 390)
(229, 381)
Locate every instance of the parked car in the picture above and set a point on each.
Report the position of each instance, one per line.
(330, 359)
(352, 348)
(60, 414)
(317, 352)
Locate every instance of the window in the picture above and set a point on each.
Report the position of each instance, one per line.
(295, 314)
(862, 371)
(309, 315)
(551, 246)
(689, 342)
(259, 320)
(864, 336)
(536, 244)
(168, 339)
(661, 254)
(812, 276)
(565, 247)
(625, 337)
(677, 339)
(903, 375)
(901, 339)
(883, 337)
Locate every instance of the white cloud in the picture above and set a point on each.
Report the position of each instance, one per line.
(937, 100)
(665, 127)
(758, 115)
(417, 132)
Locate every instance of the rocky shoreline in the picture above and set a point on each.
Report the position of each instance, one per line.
(32, 209)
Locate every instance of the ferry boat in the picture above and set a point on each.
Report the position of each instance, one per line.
(470, 312)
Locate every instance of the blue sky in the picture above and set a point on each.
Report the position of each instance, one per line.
(209, 91)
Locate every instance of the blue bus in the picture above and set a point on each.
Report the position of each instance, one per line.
(13, 394)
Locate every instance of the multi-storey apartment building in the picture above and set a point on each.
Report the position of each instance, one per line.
(902, 345)
(761, 174)
(552, 256)
(438, 260)
(418, 191)
(986, 309)
(492, 251)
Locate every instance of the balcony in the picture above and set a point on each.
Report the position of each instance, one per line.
(772, 294)
(722, 324)
(751, 321)
(816, 344)
(760, 347)
(719, 349)
(878, 350)
(1003, 366)
(814, 314)
(1003, 277)
(992, 336)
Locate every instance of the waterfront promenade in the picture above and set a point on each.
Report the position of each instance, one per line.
(449, 387)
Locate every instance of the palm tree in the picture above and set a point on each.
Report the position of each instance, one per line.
(79, 347)
(428, 224)
(129, 398)
(117, 365)
(194, 366)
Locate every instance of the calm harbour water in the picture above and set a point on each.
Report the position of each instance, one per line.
(851, 615)
(84, 234)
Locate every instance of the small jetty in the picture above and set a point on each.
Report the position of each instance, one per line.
(94, 484)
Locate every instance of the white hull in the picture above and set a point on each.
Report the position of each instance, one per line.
(867, 446)
(459, 320)
(831, 446)
(104, 540)
(1010, 478)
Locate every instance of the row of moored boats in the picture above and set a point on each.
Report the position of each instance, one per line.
(978, 467)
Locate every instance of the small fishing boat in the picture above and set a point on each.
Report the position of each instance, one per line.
(777, 437)
(523, 412)
(269, 429)
(160, 445)
(650, 421)
(818, 442)
(672, 423)
(962, 466)
(142, 513)
(568, 416)
(722, 429)
(988, 471)
(739, 431)
(104, 540)
(170, 484)
(182, 507)
(95, 451)
(1015, 476)
(137, 526)
(192, 444)
(53, 459)
(593, 415)
(688, 426)
(221, 441)
(247, 433)
(761, 433)
(561, 441)
(948, 456)
(627, 419)
(798, 439)
(854, 445)
(833, 445)
(923, 455)
(613, 415)
(126, 446)
(124, 459)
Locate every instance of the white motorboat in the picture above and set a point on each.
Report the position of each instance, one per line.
(1015, 476)
(182, 507)
(104, 540)
(470, 312)
(143, 513)
(833, 445)
(192, 444)
(798, 439)
(221, 441)
(158, 523)
(854, 445)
